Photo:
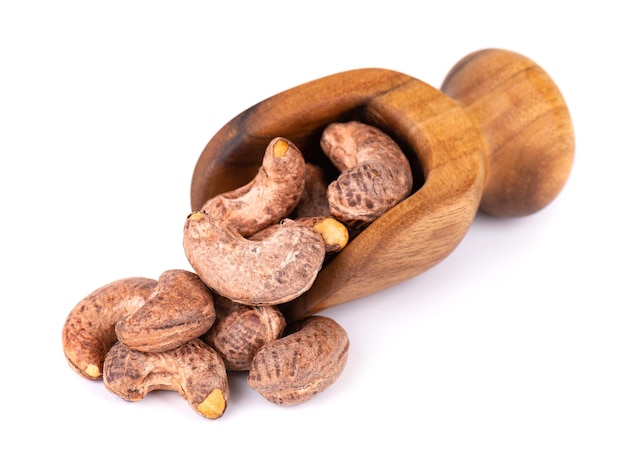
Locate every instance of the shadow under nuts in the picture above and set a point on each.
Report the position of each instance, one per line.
(295, 368)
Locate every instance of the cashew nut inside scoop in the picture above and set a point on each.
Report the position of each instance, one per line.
(269, 197)
(274, 270)
(334, 233)
(375, 173)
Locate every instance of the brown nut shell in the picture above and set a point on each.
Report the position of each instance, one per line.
(269, 197)
(335, 234)
(194, 370)
(180, 309)
(298, 366)
(240, 330)
(375, 173)
(89, 330)
(272, 271)
(313, 201)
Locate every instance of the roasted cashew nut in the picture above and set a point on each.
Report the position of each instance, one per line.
(313, 201)
(240, 330)
(375, 173)
(89, 330)
(334, 233)
(272, 271)
(180, 309)
(300, 365)
(269, 197)
(194, 370)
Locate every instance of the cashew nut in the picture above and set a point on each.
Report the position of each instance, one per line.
(334, 233)
(296, 367)
(180, 309)
(240, 330)
(194, 370)
(272, 271)
(269, 197)
(375, 173)
(89, 330)
(313, 201)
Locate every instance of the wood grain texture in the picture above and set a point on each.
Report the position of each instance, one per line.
(526, 123)
(443, 145)
(496, 136)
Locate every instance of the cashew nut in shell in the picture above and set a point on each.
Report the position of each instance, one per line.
(194, 370)
(296, 367)
(240, 330)
(272, 271)
(375, 173)
(334, 233)
(89, 330)
(180, 309)
(313, 201)
(269, 197)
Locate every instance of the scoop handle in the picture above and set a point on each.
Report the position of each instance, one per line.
(526, 124)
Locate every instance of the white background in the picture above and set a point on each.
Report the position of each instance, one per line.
(515, 343)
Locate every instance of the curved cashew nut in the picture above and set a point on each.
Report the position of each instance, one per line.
(334, 233)
(240, 330)
(313, 201)
(194, 370)
(269, 197)
(180, 309)
(300, 365)
(376, 174)
(89, 330)
(275, 270)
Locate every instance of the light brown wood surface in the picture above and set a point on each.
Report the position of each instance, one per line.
(496, 136)
(526, 123)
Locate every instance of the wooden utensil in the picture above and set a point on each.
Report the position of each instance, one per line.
(497, 136)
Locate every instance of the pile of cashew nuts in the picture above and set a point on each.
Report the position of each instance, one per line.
(251, 250)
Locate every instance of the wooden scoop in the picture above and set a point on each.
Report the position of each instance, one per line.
(497, 136)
